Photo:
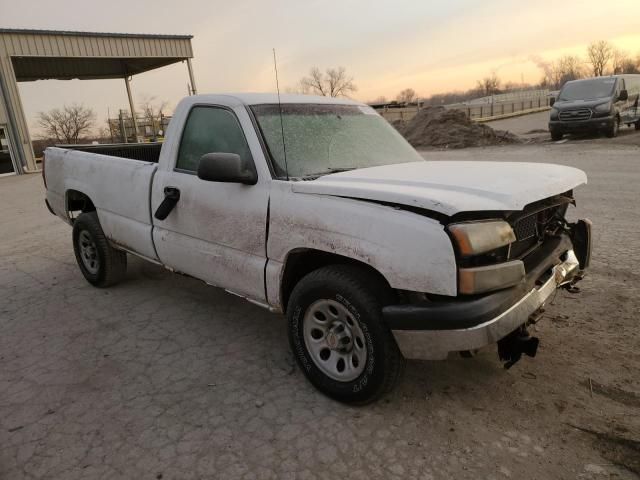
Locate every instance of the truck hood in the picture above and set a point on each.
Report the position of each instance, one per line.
(450, 187)
(588, 103)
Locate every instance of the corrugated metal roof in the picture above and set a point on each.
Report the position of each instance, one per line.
(30, 31)
(42, 68)
(61, 45)
(42, 54)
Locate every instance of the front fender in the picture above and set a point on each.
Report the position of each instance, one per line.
(413, 252)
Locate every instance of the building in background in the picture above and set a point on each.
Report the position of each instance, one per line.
(149, 129)
(29, 55)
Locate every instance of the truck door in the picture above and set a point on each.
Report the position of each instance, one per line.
(217, 231)
(623, 105)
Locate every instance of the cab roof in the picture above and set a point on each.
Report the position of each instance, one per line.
(272, 98)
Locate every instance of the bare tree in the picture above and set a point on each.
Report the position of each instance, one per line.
(564, 69)
(567, 68)
(68, 124)
(489, 85)
(553, 71)
(618, 58)
(152, 111)
(599, 53)
(623, 63)
(407, 95)
(334, 82)
(630, 66)
(104, 135)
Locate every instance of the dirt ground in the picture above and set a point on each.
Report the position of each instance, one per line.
(162, 377)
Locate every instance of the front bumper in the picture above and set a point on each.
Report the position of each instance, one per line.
(593, 124)
(431, 330)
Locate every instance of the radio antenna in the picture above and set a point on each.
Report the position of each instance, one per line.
(284, 145)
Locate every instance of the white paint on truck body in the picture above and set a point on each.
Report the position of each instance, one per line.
(217, 232)
(239, 237)
(118, 187)
(411, 251)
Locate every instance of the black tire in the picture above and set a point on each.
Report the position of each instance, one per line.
(106, 265)
(359, 294)
(555, 136)
(637, 125)
(612, 131)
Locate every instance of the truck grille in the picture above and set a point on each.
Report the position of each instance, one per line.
(575, 115)
(526, 228)
(530, 229)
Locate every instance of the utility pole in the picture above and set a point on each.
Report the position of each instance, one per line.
(133, 110)
(109, 123)
(194, 90)
(123, 128)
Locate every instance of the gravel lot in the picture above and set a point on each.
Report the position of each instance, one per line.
(164, 377)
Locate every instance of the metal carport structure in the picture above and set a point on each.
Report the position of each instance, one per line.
(28, 55)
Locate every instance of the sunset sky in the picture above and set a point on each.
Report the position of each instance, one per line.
(430, 46)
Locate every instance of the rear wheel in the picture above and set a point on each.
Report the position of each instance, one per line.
(338, 336)
(100, 263)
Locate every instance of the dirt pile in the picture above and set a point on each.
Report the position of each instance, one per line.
(441, 128)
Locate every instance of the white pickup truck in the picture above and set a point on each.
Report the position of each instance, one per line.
(317, 208)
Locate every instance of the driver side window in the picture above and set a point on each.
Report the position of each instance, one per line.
(210, 130)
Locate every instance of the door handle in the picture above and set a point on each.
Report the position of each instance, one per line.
(171, 197)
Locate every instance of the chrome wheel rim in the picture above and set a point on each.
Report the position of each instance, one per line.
(88, 252)
(334, 340)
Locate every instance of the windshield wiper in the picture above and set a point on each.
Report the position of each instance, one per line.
(313, 176)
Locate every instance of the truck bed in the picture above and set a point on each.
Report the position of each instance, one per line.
(120, 189)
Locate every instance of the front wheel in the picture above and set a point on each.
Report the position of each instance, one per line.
(555, 136)
(613, 129)
(338, 336)
(100, 263)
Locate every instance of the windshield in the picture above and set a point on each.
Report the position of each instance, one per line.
(322, 139)
(588, 89)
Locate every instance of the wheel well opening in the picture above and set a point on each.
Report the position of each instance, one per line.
(78, 202)
(302, 262)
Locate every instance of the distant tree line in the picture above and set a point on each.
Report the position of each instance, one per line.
(602, 58)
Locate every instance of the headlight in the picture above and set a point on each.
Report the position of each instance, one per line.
(603, 107)
(474, 238)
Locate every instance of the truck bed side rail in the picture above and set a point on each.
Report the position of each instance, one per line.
(146, 152)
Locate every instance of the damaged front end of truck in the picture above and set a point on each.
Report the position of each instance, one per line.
(509, 265)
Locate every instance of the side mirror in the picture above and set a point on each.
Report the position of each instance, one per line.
(624, 95)
(552, 100)
(226, 167)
